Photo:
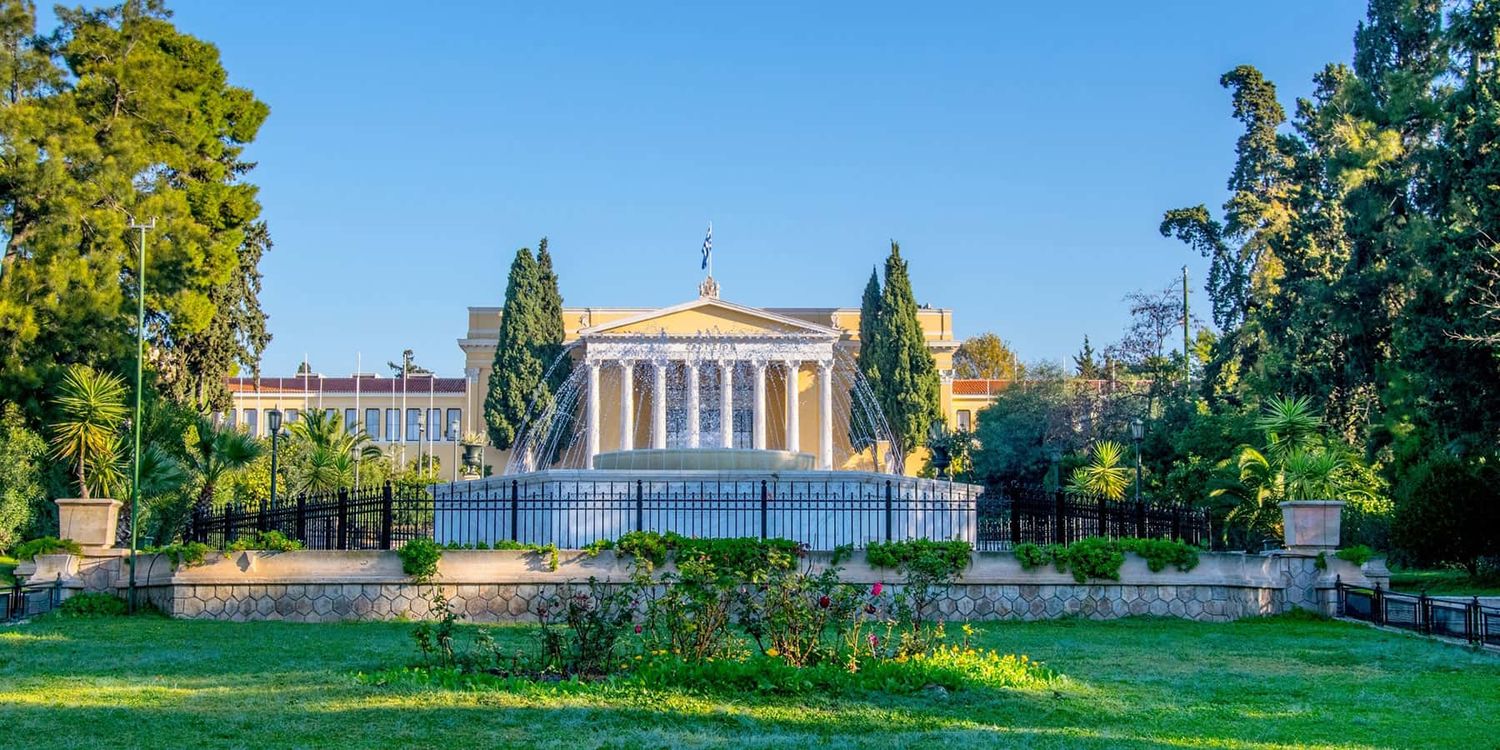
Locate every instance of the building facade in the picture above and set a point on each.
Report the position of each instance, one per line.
(729, 375)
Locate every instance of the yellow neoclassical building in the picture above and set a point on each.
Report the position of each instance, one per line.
(728, 374)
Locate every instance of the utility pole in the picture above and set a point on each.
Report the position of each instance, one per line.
(140, 359)
(1187, 362)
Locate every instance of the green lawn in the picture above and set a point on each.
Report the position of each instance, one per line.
(1444, 582)
(1134, 683)
(7, 565)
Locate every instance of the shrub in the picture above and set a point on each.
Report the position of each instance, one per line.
(273, 541)
(1160, 553)
(1098, 557)
(181, 554)
(1359, 554)
(92, 604)
(1091, 557)
(47, 545)
(1448, 513)
(1032, 556)
(419, 559)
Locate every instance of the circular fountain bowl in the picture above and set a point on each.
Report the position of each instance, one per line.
(704, 459)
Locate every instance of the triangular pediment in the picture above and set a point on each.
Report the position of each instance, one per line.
(709, 316)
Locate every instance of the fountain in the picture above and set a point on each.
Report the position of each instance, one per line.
(701, 431)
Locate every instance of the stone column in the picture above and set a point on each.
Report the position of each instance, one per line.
(793, 419)
(659, 405)
(692, 403)
(759, 423)
(726, 403)
(593, 414)
(825, 415)
(627, 395)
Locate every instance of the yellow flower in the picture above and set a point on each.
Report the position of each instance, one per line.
(968, 629)
(772, 652)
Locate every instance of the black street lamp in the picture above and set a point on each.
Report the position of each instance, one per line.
(274, 418)
(453, 435)
(1137, 433)
(1054, 470)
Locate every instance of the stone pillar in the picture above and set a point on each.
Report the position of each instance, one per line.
(692, 403)
(759, 424)
(726, 403)
(627, 395)
(793, 419)
(90, 522)
(825, 415)
(593, 415)
(659, 405)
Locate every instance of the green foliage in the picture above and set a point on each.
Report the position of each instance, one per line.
(321, 453)
(1359, 554)
(47, 545)
(530, 341)
(1098, 557)
(271, 541)
(213, 452)
(942, 560)
(86, 433)
(22, 460)
(419, 559)
(901, 370)
(1448, 511)
(1104, 475)
(986, 356)
(92, 604)
(112, 116)
(181, 554)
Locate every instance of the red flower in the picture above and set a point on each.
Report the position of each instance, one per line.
(823, 602)
(637, 629)
(877, 588)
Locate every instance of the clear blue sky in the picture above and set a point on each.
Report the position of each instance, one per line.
(1021, 153)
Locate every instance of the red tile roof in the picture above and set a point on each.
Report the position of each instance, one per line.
(982, 387)
(370, 385)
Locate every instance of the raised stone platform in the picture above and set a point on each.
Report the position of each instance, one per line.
(704, 459)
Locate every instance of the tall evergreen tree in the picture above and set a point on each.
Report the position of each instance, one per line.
(909, 384)
(1086, 362)
(517, 370)
(118, 116)
(550, 343)
(867, 362)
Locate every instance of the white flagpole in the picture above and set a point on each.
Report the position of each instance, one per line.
(359, 416)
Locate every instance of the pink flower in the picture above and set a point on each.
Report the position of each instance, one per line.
(877, 588)
(874, 640)
(637, 629)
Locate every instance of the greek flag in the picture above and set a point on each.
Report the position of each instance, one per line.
(708, 245)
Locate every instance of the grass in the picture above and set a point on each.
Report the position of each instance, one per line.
(1135, 683)
(1445, 582)
(7, 569)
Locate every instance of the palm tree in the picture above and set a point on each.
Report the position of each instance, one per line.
(216, 451)
(328, 452)
(86, 435)
(1105, 474)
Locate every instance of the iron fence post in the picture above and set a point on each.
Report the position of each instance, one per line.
(765, 500)
(1377, 606)
(302, 518)
(343, 519)
(515, 510)
(1140, 519)
(1176, 521)
(1059, 518)
(262, 520)
(1473, 624)
(387, 514)
(1015, 521)
(229, 514)
(1424, 615)
(640, 505)
(888, 510)
(1103, 516)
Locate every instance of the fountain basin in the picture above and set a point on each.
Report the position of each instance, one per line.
(704, 459)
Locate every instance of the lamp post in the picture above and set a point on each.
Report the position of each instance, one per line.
(273, 418)
(421, 434)
(1054, 470)
(140, 359)
(1137, 433)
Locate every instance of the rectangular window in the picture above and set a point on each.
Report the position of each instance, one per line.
(455, 421)
(252, 422)
(965, 420)
(229, 419)
(392, 425)
(333, 415)
(435, 427)
(290, 416)
(413, 425)
(351, 420)
(372, 423)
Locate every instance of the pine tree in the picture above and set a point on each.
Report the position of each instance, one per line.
(550, 343)
(517, 370)
(869, 323)
(908, 386)
(1086, 362)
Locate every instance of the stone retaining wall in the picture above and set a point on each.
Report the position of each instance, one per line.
(495, 586)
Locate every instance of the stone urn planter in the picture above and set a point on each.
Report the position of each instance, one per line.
(91, 521)
(1311, 526)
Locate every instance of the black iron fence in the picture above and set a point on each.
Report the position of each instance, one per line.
(1019, 514)
(30, 599)
(823, 514)
(1452, 617)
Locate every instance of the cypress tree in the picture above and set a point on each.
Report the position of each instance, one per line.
(517, 370)
(908, 387)
(550, 345)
